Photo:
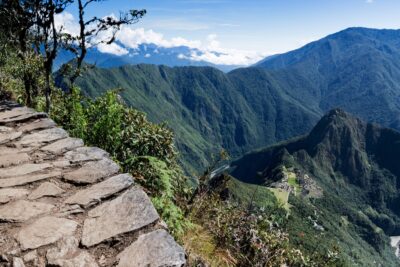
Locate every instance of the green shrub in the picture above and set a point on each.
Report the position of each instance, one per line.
(165, 186)
(142, 148)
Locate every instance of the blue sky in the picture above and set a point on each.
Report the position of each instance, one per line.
(262, 26)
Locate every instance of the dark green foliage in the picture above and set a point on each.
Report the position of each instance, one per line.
(207, 109)
(356, 69)
(353, 162)
(143, 149)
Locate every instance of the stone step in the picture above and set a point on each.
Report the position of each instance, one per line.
(97, 192)
(129, 212)
(64, 204)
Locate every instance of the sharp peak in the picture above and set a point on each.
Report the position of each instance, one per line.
(336, 118)
(338, 113)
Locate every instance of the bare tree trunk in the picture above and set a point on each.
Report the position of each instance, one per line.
(82, 44)
(48, 92)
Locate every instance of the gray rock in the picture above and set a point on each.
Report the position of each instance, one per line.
(128, 212)
(15, 112)
(24, 117)
(46, 189)
(22, 210)
(7, 105)
(37, 125)
(31, 256)
(63, 145)
(11, 159)
(67, 254)
(92, 172)
(86, 154)
(42, 137)
(61, 163)
(45, 231)
(154, 249)
(18, 262)
(97, 192)
(8, 194)
(23, 169)
(4, 129)
(27, 179)
(7, 137)
(69, 209)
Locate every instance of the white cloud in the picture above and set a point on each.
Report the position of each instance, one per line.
(67, 23)
(130, 37)
(112, 49)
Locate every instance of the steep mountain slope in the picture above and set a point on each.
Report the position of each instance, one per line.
(143, 54)
(207, 109)
(357, 69)
(345, 176)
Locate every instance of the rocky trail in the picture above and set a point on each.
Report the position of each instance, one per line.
(64, 204)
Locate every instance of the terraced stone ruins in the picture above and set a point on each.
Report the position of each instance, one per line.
(64, 204)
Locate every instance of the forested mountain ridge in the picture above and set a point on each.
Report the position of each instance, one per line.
(348, 170)
(356, 69)
(207, 109)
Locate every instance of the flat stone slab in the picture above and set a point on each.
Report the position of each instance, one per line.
(27, 179)
(67, 254)
(22, 210)
(45, 231)
(97, 192)
(15, 112)
(45, 222)
(8, 194)
(46, 189)
(86, 154)
(7, 137)
(11, 159)
(63, 145)
(45, 136)
(92, 172)
(24, 117)
(37, 125)
(157, 248)
(23, 169)
(129, 212)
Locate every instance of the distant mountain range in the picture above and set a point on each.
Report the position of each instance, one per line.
(207, 109)
(143, 54)
(357, 69)
(340, 180)
(345, 175)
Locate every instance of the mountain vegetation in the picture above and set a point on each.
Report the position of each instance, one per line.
(326, 198)
(356, 69)
(244, 236)
(278, 98)
(207, 109)
(345, 186)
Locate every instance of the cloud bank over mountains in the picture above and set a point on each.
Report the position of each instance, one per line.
(130, 37)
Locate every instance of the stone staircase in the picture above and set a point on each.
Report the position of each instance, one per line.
(64, 204)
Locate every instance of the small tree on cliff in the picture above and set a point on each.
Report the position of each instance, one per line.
(31, 26)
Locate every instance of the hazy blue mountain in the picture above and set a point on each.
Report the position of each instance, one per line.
(143, 54)
(356, 69)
